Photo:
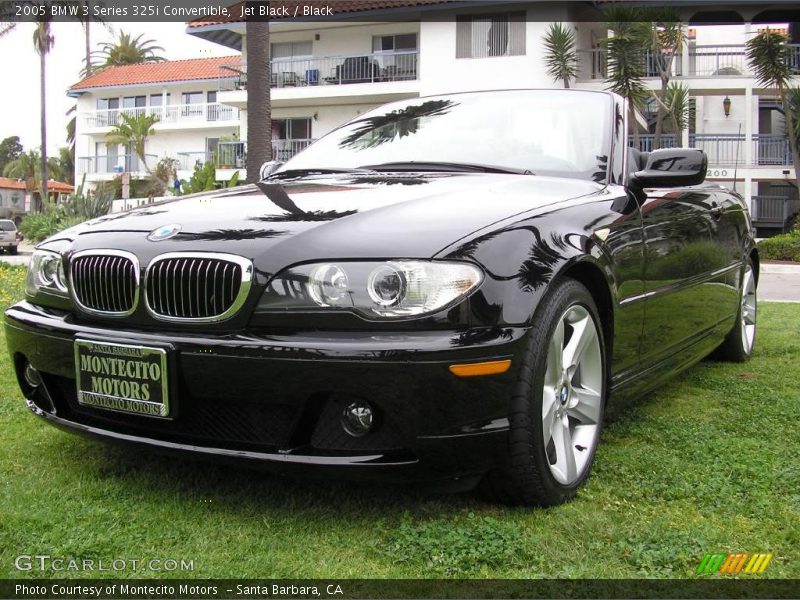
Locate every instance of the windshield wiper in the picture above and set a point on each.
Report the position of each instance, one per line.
(316, 171)
(444, 166)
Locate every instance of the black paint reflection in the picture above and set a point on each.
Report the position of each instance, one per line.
(375, 131)
(311, 216)
(229, 235)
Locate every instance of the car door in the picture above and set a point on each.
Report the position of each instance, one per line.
(681, 260)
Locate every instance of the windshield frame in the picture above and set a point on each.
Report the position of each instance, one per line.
(607, 142)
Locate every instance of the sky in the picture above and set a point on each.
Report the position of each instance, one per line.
(19, 102)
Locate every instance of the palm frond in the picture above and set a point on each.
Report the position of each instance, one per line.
(561, 58)
(769, 58)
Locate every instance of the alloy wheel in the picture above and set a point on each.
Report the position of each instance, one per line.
(572, 395)
(748, 310)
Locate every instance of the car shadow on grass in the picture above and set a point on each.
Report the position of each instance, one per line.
(250, 487)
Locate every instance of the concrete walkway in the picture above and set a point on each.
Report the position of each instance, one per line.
(779, 282)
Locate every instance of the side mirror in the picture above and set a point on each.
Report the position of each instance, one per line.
(672, 167)
(268, 168)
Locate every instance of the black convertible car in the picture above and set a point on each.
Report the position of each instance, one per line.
(446, 289)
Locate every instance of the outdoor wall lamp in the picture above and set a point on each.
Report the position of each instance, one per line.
(726, 106)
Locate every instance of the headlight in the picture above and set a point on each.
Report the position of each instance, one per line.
(392, 289)
(46, 273)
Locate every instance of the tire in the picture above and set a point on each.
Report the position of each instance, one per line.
(12, 250)
(741, 339)
(567, 402)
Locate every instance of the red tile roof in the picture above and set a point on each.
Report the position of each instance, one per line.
(53, 186)
(172, 70)
(11, 184)
(338, 7)
(59, 187)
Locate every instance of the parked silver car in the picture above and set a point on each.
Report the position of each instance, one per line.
(9, 236)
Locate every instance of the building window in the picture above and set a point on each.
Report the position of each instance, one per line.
(192, 105)
(289, 50)
(394, 43)
(480, 36)
(289, 136)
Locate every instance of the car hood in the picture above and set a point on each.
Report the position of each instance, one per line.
(404, 215)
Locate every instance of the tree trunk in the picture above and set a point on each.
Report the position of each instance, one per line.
(43, 100)
(259, 105)
(566, 81)
(661, 114)
(790, 125)
(633, 125)
(88, 42)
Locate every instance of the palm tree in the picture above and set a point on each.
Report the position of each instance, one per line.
(666, 41)
(259, 102)
(560, 57)
(133, 131)
(625, 50)
(43, 41)
(128, 50)
(769, 58)
(28, 166)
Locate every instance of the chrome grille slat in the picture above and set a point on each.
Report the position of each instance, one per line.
(196, 286)
(105, 282)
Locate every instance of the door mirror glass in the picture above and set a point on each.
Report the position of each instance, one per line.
(672, 167)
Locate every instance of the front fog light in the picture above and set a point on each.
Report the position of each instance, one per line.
(328, 285)
(32, 376)
(358, 418)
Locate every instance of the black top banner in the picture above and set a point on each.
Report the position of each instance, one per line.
(216, 13)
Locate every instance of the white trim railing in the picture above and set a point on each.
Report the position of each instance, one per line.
(207, 112)
(233, 155)
(115, 163)
(728, 149)
(374, 67)
(707, 60)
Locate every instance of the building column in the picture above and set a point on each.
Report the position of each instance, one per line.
(748, 123)
(685, 50)
(748, 192)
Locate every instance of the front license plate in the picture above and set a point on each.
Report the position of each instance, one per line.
(121, 377)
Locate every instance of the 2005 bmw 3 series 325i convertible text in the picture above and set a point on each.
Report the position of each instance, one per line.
(444, 290)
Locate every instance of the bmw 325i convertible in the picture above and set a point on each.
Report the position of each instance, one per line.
(446, 290)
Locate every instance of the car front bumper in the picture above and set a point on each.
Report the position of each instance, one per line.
(277, 400)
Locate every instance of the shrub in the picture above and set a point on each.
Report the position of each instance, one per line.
(781, 247)
(39, 226)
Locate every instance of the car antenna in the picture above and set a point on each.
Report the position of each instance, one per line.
(736, 162)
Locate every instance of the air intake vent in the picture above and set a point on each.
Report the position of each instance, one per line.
(105, 282)
(185, 286)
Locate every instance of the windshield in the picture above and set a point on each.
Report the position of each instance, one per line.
(545, 132)
(7, 226)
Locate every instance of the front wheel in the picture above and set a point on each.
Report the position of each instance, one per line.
(740, 341)
(557, 407)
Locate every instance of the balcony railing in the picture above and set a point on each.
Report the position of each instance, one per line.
(593, 64)
(329, 70)
(232, 155)
(115, 163)
(773, 211)
(704, 61)
(729, 149)
(177, 113)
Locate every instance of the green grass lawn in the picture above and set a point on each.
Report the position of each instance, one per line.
(709, 463)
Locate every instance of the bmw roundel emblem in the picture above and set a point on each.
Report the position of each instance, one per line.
(164, 232)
